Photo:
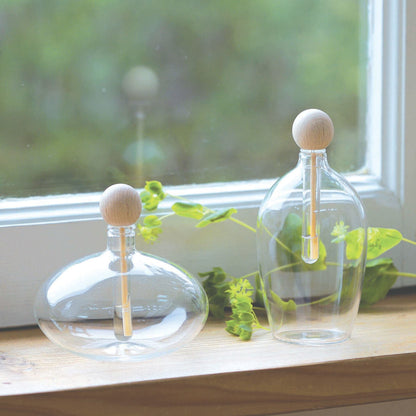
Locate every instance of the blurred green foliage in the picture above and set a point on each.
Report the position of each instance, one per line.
(232, 75)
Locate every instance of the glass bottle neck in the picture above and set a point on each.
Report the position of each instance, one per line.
(115, 237)
(318, 157)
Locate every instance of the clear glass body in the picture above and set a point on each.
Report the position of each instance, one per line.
(112, 307)
(311, 282)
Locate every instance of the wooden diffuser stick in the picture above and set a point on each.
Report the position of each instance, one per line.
(120, 206)
(313, 131)
(125, 297)
(314, 240)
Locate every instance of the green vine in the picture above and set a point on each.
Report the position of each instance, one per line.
(225, 291)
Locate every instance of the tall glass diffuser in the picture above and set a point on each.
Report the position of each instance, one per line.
(121, 304)
(311, 243)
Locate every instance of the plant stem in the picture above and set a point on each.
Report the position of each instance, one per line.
(260, 326)
(332, 263)
(166, 216)
(403, 274)
(208, 210)
(286, 266)
(181, 198)
(329, 298)
(257, 323)
(243, 224)
(283, 245)
(248, 275)
(409, 241)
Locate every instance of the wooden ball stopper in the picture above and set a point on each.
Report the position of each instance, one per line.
(313, 130)
(120, 205)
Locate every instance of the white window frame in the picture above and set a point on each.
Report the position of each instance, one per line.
(40, 235)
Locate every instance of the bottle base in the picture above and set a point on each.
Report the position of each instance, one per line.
(312, 336)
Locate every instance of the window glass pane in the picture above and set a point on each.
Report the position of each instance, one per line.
(217, 87)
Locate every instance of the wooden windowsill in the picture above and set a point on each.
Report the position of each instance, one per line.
(217, 373)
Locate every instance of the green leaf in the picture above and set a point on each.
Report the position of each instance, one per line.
(152, 195)
(260, 298)
(155, 187)
(149, 234)
(380, 276)
(245, 335)
(286, 306)
(381, 240)
(216, 216)
(231, 327)
(354, 244)
(217, 274)
(188, 209)
(149, 203)
(243, 317)
(216, 287)
(152, 221)
(339, 232)
(216, 310)
(291, 237)
(150, 229)
(244, 306)
(289, 246)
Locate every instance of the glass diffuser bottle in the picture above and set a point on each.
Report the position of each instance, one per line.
(311, 243)
(121, 304)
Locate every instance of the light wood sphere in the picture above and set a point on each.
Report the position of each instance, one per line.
(313, 130)
(120, 205)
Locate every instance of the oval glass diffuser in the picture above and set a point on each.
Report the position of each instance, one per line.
(121, 304)
(311, 244)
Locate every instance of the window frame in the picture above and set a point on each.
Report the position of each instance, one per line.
(40, 235)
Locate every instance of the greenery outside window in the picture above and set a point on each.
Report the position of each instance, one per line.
(94, 93)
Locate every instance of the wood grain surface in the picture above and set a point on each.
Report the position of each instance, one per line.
(217, 373)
